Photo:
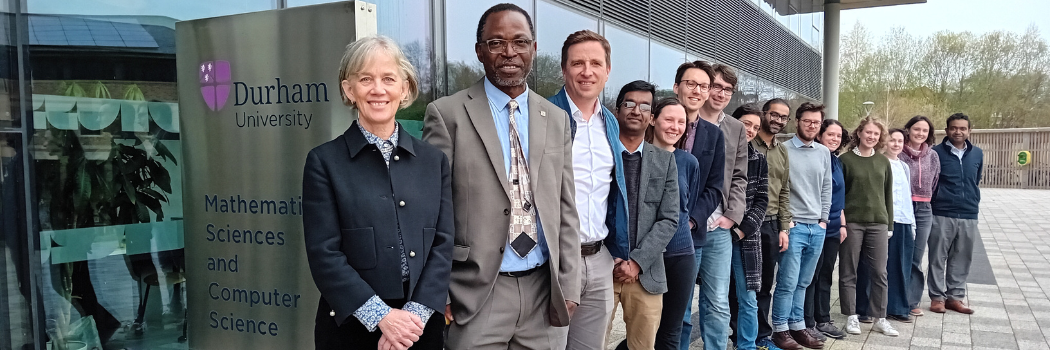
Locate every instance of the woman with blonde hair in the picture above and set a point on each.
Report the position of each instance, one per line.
(377, 215)
(869, 207)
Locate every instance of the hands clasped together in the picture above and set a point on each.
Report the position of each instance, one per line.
(625, 271)
(400, 330)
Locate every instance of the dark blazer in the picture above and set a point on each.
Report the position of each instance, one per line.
(352, 210)
(709, 150)
(657, 216)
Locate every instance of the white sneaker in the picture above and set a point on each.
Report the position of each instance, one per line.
(853, 324)
(882, 325)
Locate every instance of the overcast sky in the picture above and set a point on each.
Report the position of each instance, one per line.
(978, 16)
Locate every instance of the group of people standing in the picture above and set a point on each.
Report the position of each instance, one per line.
(527, 221)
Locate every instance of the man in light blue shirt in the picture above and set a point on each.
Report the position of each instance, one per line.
(516, 255)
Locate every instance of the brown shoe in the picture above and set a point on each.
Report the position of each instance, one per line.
(802, 337)
(958, 306)
(937, 306)
(784, 341)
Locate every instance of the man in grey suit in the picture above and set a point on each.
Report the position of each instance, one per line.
(517, 246)
(651, 179)
(716, 256)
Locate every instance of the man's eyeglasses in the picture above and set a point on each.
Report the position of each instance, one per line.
(690, 85)
(500, 45)
(644, 107)
(809, 123)
(777, 116)
(718, 89)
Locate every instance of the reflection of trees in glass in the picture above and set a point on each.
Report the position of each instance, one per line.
(419, 55)
(546, 77)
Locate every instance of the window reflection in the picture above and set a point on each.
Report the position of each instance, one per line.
(629, 61)
(663, 65)
(107, 157)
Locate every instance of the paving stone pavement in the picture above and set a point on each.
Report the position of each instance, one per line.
(1013, 314)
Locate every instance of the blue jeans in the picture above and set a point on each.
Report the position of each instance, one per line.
(715, 268)
(747, 318)
(797, 265)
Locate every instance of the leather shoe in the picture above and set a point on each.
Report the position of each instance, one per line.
(958, 306)
(802, 337)
(784, 341)
(937, 306)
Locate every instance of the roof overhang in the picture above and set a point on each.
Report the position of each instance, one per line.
(794, 7)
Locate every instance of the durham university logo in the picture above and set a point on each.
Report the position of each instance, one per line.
(215, 83)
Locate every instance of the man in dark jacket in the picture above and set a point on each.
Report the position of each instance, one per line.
(955, 206)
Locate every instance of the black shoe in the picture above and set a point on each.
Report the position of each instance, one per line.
(867, 319)
(829, 329)
(900, 318)
(813, 332)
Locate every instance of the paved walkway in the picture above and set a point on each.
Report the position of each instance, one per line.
(1013, 312)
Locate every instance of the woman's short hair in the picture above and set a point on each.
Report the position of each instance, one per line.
(913, 121)
(359, 52)
(883, 135)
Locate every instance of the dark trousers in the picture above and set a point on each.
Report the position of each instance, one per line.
(353, 335)
(681, 277)
(898, 274)
(818, 294)
(770, 232)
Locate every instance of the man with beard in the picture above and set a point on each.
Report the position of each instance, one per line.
(774, 228)
(516, 249)
(705, 142)
(717, 255)
(810, 173)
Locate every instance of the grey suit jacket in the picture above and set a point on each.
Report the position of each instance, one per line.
(461, 125)
(657, 216)
(734, 195)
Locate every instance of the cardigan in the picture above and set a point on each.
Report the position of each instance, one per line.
(757, 199)
(688, 181)
(838, 198)
(925, 166)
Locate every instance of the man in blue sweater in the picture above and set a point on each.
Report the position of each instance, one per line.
(955, 206)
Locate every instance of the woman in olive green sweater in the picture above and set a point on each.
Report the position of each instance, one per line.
(869, 209)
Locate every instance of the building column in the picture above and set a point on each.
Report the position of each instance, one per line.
(832, 9)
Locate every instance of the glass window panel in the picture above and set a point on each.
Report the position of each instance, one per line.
(461, 25)
(630, 61)
(408, 23)
(104, 98)
(179, 10)
(553, 24)
(15, 292)
(664, 62)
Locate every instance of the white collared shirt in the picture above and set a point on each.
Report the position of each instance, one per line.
(958, 152)
(592, 166)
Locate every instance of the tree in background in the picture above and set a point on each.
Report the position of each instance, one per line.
(1000, 79)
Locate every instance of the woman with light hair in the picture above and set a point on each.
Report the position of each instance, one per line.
(869, 207)
(377, 216)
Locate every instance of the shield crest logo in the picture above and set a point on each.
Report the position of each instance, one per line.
(215, 83)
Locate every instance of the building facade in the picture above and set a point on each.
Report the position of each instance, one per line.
(90, 144)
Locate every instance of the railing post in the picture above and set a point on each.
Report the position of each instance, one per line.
(1026, 144)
